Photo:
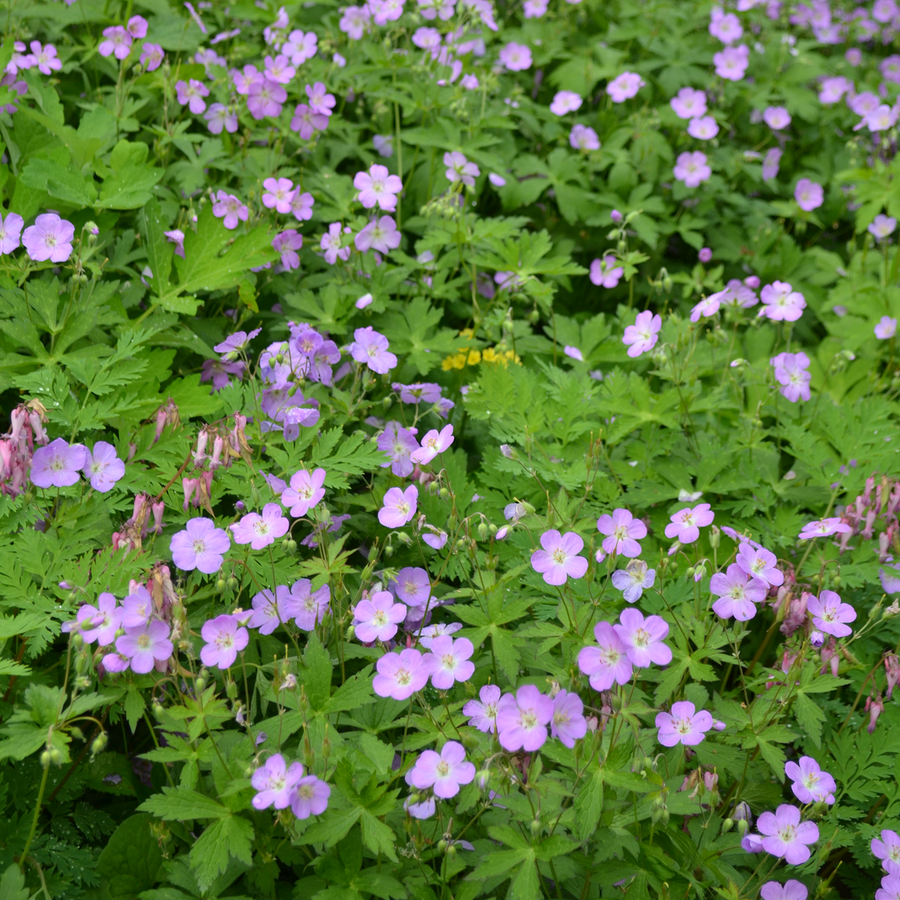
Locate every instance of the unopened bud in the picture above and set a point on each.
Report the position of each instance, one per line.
(727, 825)
(715, 536)
(444, 493)
(451, 850)
(220, 585)
(442, 846)
(482, 531)
(536, 826)
(45, 759)
(232, 583)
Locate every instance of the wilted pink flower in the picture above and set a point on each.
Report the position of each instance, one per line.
(683, 725)
(605, 273)
(146, 645)
(50, 238)
(559, 559)
(522, 720)
(176, 236)
(643, 335)
(224, 640)
(399, 506)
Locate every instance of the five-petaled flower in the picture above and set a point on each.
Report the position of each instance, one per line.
(559, 559)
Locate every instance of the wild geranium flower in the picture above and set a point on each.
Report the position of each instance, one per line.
(607, 664)
(302, 203)
(771, 163)
(10, 230)
(433, 443)
(300, 46)
(809, 195)
(265, 97)
(886, 328)
(643, 335)
(274, 783)
(332, 244)
(824, 528)
(725, 27)
(152, 56)
(790, 890)
(623, 87)
(449, 661)
(137, 607)
(146, 645)
(692, 169)
(310, 606)
(59, 464)
(117, 42)
(418, 392)
(271, 610)
(785, 836)
(689, 103)
(443, 772)
(320, 101)
(191, 93)
(400, 675)
(704, 128)
(430, 633)
(103, 467)
(380, 235)
(371, 348)
(378, 187)
(377, 618)
(200, 546)
(791, 373)
(882, 227)
(623, 533)
(568, 722)
(310, 797)
(731, 63)
(398, 443)
(50, 238)
(759, 563)
(583, 137)
(643, 638)
(287, 243)
(277, 194)
(559, 559)
(686, 523)
(176, 237)
(633, 579)
(781, 302)
(516, 57)
(221, 118)
(776, 117)
(259, 531)
(888, 851)
(230, 209)
(97, 623)
(830, 614)
(412, 585)
(738, 593)
(565, 102)
(605, 273)
(225, 638)
(482, 712)
(460, 169)
(305, 492)
(306, 122)
(810, 783)
(683, 725)
(399, 507)
(522, 720)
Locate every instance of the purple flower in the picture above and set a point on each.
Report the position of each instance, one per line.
(771, 162)
(176, 236)
(137, 607)
(371, 348)
(399, 507)
(300, 46)
(398, 443)
(565, 102)
(310, 606)
(776, 117)
(624, 532)
(683, 725)
(332, 242)
(705, 255)
(145, 645)
(605, 273)
(97, 623)
(607, 664)
(643, 638)
(786, 836)
(584, 138)
(152, 56)
(824, 528)
(235, 344)
(287, 243)
(886, 328)
(302, 205)
(810, 783)
(384, 145)
(643, 335)
(632, 580)
(224, 640)
(412, 586)
(58, 464)
(200, 546)
(305, 492)
(377, 618)
(265, 97)
(689, 103)
(320, 101)
(191, 94)
(726, 27)
(137, 27)
(881, 227)
(49, 238)
(759, 563)
(692, 169)
(460, 169)
(790, 890)
(431, 632)
(259, 531)
(448, 661)
(830, 614)
(781, 302)
(516, 57)
(791, 373)
(482, 713)
(270, 611)
(704, 128)
(522, 720)
(380, 235)
(279, 69)
(400, 675)
(738, 592)
(10, 230)
(809, 195)
(437, 539)
(103, 467)
(378, 187)
(117, 42)
(310, 797)
(277, 194)
(306, 122)
(568, 722)
(433, 444)
(445, 772)
(624, 87)
(731, 63)
(45, 58)
(686, 523)
(418, 392)
(559, 559)
(274, 782)
(888, 851)
(230, 209)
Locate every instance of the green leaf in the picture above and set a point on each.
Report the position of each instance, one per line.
(58, 181)
(178, 804)
(231, 836)
(160, 249)
(12, 885)
(131, 859)
(135, 704)
(129, 188)
(377, 836)
(589, 805)
(318, 678)
(810, 716)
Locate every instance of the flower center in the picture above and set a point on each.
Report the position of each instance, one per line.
(787, 834)
(528, 720)
(199, 546)
(641, 638)
(448, 661)
(380, 618)
(559, 556)
(144, 641)
(443, 769)
(404, 677)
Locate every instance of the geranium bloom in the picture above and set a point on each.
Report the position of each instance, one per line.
(607, 664)
(683, 725)
(418, 392)
(738, 592)
(460, 169)
(824, 528)
(58, 464)
(220, 117)
(146, 645)
(136, 607)
(191, 94)
(882, 227)
(224, 640)
(791, 373)
(686, 523)
(176, 237)
(522, 720)
(781, 302)
(643, 335)
(371, 348)
(332, 242)
(583, 137)
(380, 235)
(632, 580)
(786, 836)
(274, 783)
(482, 713)
(377, 618)
(400, 675)
(49, 238)
(689, 103)
(809, 195)
(830, 614)
(230, 209)
(200, 546)
(516, 57)
(704, 128)
(152, 56)
(300, 46)
(310, 797)
(643, 638)
(399, 506)
(888, 851)
(443, 772)
(287, 243)
(306, 122)
(771, 163)
(790, 890)
(559, 559)
(810, 783)
(725, 27)
(731, 63)
(305, 492)
(449, 661)
(260, 530)
(302, 204)
(605, 273)
(265, 97)
(117, 42)
(378, 187)
(568, 722)
(832, 89)
(277, 194)
(97, 623)
(412, 585)
(624, 532)
(776, 117)
(624, 87)
(565, 102)
(759, 563)
(310, 606)
(433, 443)
(103, 467)
(270, 611)
(886, 328)
(398, 443)
(692, 168)
(10, 230)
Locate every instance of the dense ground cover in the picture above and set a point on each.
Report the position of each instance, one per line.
(452, 450)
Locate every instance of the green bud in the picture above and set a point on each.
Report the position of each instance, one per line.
(232, 583)
(387, 402)
(76, 733)
(199, 684)
(99, 744)
(158, 710)
(690, 572)
(231, 690)
(45, 759)
(482, 531)
(451, 850)
(351, 633)
(836, 581)
(743, 827)
(220, 586)
(254, 494)
(248, 772)
(715, 536)
(529, 509)
(536, 827)
(56, 757)
(727, 825)
(77, 638)
(442, 846)
(534, 316)
(444, 493)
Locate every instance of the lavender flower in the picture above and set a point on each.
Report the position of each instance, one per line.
(200, 546)
(559, 559)
(633, 579)
(146, 645)
(449, 661)
(786, 836)
(49, 238)
(684, 725)
(830, 614)
(643, 638)
(482, 712)
(274, 783)
(444, 772)
(568, 722)
(522, 720)
(10, 230)
(310, 797)
(809, 783)
(399, 506)
(103, 467)
(371, 348)
(607, 664)
(400, 675)
(224, 640)
(259, 531)
(738, 592)
(377, 618)
(58, 464)
(623, 533)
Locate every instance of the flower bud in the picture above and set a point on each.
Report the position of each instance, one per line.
(444, 493)
(715, 536)
(482, 531)
(99, 744)
(220, 586)
(45, 759)
(442, 846)
(743, 827)
(232, 583)
(727, 825)
(351, 633)
(199, 684)
(55, 757)
(76, 733)
(451, 850)
(536, 827)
